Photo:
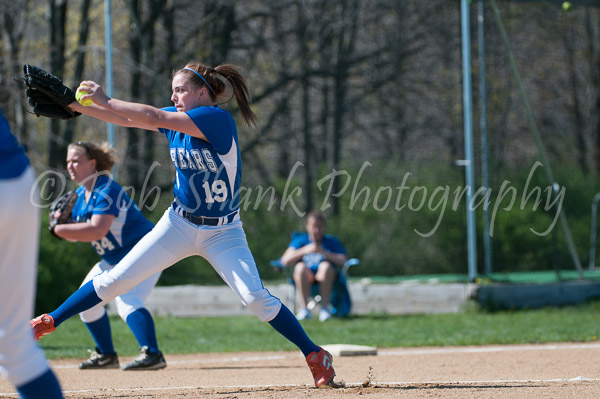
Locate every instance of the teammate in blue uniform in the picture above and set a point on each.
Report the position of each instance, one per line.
(315, 256)
(21, 361)
(106, 217)
(204, 218)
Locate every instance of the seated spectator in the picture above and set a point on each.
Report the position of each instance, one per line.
(316, 256)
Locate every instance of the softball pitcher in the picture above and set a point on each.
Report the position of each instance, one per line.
(106, 217)
(21, 361)
(204, 218)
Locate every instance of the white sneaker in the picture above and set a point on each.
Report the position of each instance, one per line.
(304, 314)
(324, 314)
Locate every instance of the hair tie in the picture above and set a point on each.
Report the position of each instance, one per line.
(213, 70)
(204, 80)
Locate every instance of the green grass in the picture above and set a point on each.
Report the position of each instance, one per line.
(246, 333)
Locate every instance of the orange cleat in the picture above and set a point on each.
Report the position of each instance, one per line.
(42, 326)
(321, 366)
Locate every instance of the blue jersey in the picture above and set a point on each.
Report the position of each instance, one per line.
(208, 174)
(329, 243)
(128, 226)
(13, 160)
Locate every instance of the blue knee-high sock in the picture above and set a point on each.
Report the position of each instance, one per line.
(82, 299)
(45, 386)
(287, 325)
(142, 325)
(100, 330)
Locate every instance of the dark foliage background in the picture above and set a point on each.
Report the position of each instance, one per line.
(367, 91)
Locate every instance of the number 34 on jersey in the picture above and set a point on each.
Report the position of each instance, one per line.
(103, 245)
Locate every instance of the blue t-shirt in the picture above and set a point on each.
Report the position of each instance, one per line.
(330, 243)
(208, 174)
(128, 226)
(13, 160)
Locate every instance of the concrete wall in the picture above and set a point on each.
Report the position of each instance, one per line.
(405, 298)
(191, 301)
(529, 296)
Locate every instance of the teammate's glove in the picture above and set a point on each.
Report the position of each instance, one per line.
(60, 211)
(47, 94)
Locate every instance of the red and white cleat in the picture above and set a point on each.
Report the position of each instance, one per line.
(321, 366)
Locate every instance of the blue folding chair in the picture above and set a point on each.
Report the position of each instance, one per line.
(341, 303)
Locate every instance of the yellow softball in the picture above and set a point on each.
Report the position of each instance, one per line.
(80, 93)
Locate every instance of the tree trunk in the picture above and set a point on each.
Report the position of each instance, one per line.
(13, 27)
(346, 44)
(132, 163)
(149, 90)
(594, 58)
(57, 14)
(80, 64)
(579, 130)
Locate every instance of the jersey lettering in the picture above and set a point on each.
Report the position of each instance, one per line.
(181, 158)
(173, 153)
(198, 159)
(210, 162)
(102, 245)
(194, 159)
(190, 162)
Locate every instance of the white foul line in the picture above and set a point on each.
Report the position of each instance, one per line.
(429, 351)
(348, 385)
(435, 351)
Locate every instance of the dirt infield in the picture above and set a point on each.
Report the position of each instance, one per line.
(519, 371)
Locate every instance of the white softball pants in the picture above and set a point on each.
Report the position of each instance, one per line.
(175, 238)
(21, 361)
(126, 303)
